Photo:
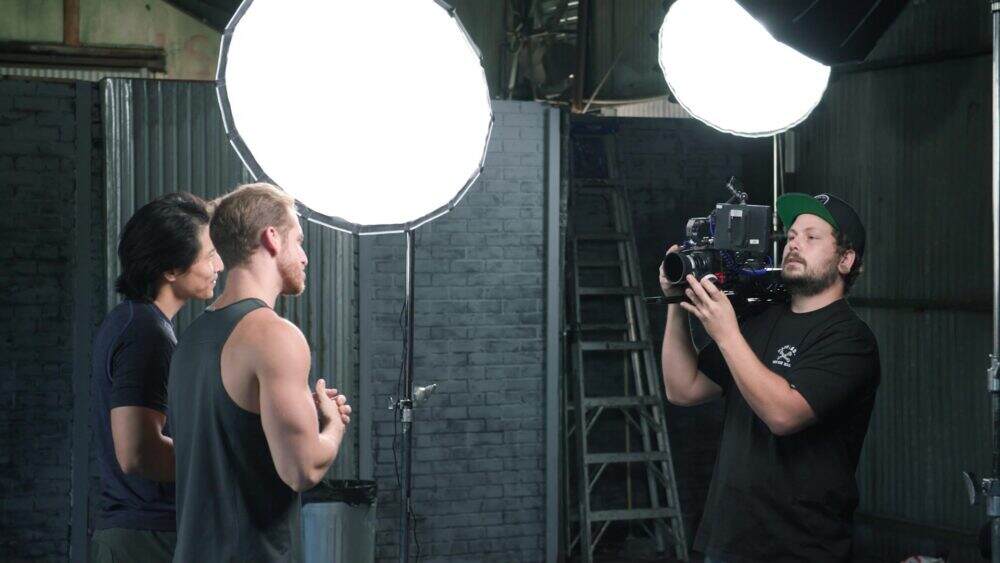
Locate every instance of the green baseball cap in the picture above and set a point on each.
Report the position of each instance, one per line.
(835, 211)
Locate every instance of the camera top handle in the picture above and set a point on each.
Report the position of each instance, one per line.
(735, 187)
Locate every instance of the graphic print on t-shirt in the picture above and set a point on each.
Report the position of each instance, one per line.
(785, 355)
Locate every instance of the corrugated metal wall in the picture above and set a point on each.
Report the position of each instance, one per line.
(168, 136)
(909, 146)
(936, 26)
(629, 29)
(660, 107)
(485, 23)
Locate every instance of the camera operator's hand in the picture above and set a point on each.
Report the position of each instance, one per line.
(712, 307)
(669, 290)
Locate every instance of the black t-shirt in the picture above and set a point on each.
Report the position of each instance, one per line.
(130, 365)
(792, 498)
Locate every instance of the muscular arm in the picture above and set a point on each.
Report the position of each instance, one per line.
(301, 453)
(783, 409)
(140, 446)
(684, 384)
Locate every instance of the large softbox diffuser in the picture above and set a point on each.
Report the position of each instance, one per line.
(374, 115)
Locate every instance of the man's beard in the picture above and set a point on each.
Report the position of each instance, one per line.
(808, 283)
(293, 281)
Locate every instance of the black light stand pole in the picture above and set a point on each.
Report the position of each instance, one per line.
(776, 258)
(405, 407)
(993, 488)
(989, 488)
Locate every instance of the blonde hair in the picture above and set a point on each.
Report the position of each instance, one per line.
(240, 216)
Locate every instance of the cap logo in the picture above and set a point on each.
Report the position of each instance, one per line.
(823, 198)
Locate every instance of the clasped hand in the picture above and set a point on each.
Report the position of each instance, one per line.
(330, 403)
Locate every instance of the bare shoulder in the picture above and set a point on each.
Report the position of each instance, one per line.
(271, 341)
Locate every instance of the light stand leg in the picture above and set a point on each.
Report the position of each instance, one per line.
(406, 408)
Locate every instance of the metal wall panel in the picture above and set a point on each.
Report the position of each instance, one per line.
(932, 417)
(628, 32)
(909, 147)
(168, 136)
(936, 26)
(659, 107)
(486, 24)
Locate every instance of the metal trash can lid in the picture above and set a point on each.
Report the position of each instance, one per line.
(349, 491)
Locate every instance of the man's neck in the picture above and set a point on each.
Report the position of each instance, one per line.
(167, 302)
(809, 303)
(248, 282)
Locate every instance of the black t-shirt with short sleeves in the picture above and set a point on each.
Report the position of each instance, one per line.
(792, 498)
(130, 364)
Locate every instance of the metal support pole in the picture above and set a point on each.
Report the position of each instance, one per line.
(579, 77)
(71, 23)
(989, 488)
(405, 408)
(993, 500)
(774, 202)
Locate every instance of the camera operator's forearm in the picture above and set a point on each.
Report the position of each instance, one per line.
(782, 408)
(678, 357)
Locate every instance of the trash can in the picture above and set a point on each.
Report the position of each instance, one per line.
(338, 522)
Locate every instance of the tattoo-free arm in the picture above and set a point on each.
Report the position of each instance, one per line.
(140, 446)
(783, 409)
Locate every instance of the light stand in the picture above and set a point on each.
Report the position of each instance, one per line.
(774, 202)
(989, 488)
(405, 407)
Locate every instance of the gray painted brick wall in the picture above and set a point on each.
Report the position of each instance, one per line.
(37, 183)
(478, 487)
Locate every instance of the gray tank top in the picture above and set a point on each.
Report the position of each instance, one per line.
(231, 503)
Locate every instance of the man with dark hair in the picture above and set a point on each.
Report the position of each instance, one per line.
(799, 381)
(249, 435)
(167, 258)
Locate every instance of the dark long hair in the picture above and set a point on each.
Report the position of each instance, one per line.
(161, 236)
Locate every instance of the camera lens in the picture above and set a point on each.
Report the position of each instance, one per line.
(677, 265)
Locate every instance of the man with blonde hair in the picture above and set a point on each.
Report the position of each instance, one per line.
(244, 421)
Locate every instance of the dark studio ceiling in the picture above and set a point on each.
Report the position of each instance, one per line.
(530, 46)
(214, 13)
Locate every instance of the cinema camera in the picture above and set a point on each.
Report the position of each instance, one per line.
(730, 244)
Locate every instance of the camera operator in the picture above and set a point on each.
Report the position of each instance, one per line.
(799, 381)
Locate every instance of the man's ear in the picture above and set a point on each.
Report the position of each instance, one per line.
(171, 275)
(270, 239)
(846, 262)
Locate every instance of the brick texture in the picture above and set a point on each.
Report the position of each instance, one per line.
(478, 443)
(38, 187)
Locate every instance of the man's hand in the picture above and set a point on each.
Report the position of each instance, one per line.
(341, 400)
(669, 289)
(712, 308)
(328, 409)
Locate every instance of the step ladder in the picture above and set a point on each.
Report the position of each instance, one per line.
(611, 401)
